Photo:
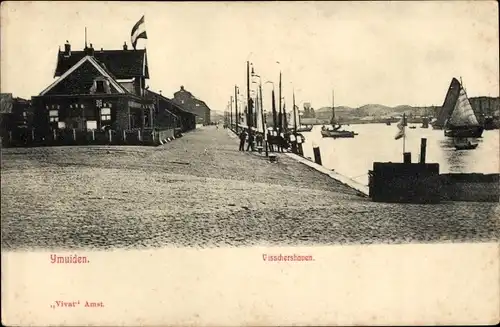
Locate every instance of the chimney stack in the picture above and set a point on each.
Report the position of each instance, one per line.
(67, 49)
(90, 50)
(125, 46)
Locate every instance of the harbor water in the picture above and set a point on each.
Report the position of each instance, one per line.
(353, 157)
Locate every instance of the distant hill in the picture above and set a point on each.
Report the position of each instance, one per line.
(376, 110)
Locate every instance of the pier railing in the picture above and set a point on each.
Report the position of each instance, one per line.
(59, 137)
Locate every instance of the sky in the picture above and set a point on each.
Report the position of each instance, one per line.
(389, 53)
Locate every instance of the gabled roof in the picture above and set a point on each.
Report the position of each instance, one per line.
(122, 63)
(102, 70)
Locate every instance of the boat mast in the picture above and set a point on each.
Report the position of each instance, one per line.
(294, 113)
(333, 108)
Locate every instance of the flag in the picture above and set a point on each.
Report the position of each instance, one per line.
(401, 128)
(138, 32)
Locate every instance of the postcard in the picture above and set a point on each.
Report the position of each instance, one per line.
(250, 163)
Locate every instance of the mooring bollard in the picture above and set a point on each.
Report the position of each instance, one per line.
(74, 135)
(32, 134)
(124, 135)
(300, 150)
(423, 146)
(110, 136)
(139, 135)
(317, 155)
(407, 157)
(93, 135)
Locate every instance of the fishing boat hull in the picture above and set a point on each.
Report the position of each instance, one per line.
(468, 131)
(465, 146)
(338, 134)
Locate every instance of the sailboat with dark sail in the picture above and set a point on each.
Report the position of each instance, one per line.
(448, 104)
(334, 130)
(462, 121)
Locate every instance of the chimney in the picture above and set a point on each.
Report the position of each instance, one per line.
(125, 46)
(90, 50)
(67, 49)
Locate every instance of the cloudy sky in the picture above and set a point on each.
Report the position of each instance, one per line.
(369, 52)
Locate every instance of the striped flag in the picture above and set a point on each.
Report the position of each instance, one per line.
(138, 31)
(401, 127)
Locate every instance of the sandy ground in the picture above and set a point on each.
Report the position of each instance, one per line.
(200, 191)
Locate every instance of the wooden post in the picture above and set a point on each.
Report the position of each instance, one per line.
(32, 134)
(74, 135)
(317, 155)
(124, 136)
(10, 136)
(110, 136)
(300, 151)
(423, 148)
(55, 134)
(139, 135)
(93, 135)
(407, 157)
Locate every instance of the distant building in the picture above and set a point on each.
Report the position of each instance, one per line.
(487, 106)
(189, 102)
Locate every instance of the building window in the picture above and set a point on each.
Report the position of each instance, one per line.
(99, 86)
(61, 125)
(54, 116)
(105, 114)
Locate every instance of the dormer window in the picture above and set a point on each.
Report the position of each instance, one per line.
(100, 85)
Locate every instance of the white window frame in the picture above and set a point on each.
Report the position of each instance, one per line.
(105, 114)
(54, 116)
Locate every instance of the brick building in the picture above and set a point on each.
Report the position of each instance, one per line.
(103, 90)
(95, 90)
(196, 106)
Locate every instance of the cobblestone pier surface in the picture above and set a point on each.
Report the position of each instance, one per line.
(200, 191)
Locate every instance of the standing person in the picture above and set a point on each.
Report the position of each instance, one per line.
(250, 140)
(258, 139)
(243, 137)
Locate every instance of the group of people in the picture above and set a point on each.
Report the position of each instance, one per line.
(276, 142)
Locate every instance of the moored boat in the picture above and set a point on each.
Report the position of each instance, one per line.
(305, 128)
(334, 130)
(464, 144)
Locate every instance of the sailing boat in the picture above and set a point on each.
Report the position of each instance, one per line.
(334, 131)
(462, 121)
